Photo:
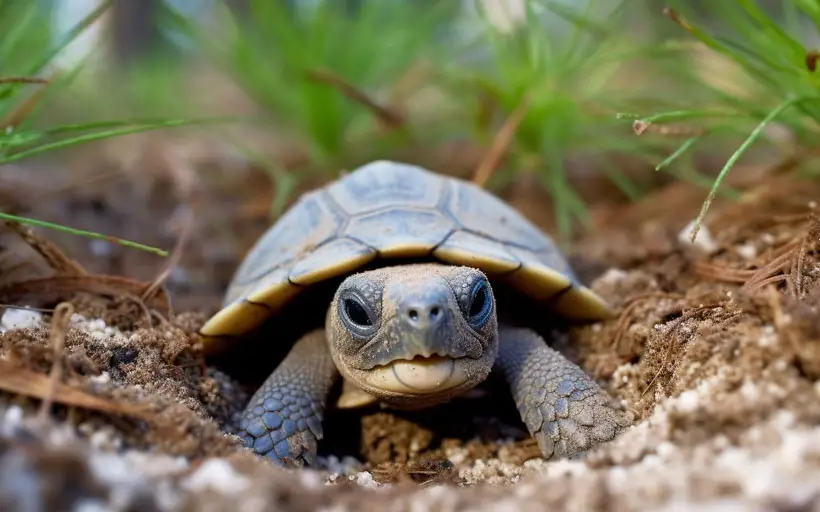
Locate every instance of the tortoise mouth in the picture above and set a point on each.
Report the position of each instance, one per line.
(418, 375)
(418, 359)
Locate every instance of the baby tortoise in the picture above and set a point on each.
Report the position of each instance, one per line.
(415, 319)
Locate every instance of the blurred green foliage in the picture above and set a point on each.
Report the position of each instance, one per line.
(763, 51)
(342, 83)
(27, 52)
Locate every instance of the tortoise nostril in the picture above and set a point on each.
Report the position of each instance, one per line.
(424, 315)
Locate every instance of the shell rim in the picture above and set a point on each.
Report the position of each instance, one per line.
(215, 343)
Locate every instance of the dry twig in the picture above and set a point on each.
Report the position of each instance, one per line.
(59, 326)
(630, 306)
(676, 325)
(501, 143)
(384, 114)
(24, 109)
(49, 290)
(22, 381)
(176, 254)
(52, 254)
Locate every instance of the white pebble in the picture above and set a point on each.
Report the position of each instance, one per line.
(768, 338)
(749, 391)
(102, 378)
(219, 475)
(618, 476)
(11, 419)
(704, 241)
(365, 479)
(155, 465)
(747, 251)
(666, 450)
(613, 276)
(311, 479)
(688, 401)
(16, 318)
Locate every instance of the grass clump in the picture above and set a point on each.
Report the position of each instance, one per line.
(767, 76)
(331, 82)
(26, 61)
(563, 72)
(395, 78)
(339, 88)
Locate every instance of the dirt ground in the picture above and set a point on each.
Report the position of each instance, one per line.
(716, 349)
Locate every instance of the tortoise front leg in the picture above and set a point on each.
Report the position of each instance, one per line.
(563, 408)
(283, 420)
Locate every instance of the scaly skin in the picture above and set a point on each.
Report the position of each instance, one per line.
(283, 420)
(563, 408)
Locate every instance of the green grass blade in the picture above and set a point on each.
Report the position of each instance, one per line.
(51, 146)
(758, 131)
(158, 123)
(687, 144)
(773, 29)
(80, 232)
(70, 36)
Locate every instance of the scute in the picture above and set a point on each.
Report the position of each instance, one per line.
(546, 276)
(382, 184)
(330, 260)
(541, 275)
(464, 248)
(235, 319)
(310, 222)
(401, 232)
(581, 303)
(484, 214)
(273, 290)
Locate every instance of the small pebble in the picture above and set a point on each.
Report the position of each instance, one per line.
(746, 251)
(217, 474)
(365, 479)
(703, 241)
(17, 318)
(613, 276)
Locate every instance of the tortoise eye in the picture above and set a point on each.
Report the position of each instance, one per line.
(356, 313)
(479, 301)
(481, 305)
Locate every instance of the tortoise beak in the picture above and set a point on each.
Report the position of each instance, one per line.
(419, 375)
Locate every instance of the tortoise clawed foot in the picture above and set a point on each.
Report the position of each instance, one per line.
(294, 451)
(563, 408)
(281, 435)
(283, 420)
(570, 425)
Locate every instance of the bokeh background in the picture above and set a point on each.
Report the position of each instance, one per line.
(205, 119)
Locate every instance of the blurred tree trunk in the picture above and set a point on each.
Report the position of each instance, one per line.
(134, 30)
(240, 8)
(352, 7)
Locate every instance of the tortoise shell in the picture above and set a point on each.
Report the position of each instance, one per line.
(392, 210)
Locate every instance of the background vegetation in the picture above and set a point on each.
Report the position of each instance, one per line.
(566, 94)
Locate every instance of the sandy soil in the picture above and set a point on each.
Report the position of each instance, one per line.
(716, 349)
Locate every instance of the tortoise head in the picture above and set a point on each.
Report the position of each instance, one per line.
(414, 335)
